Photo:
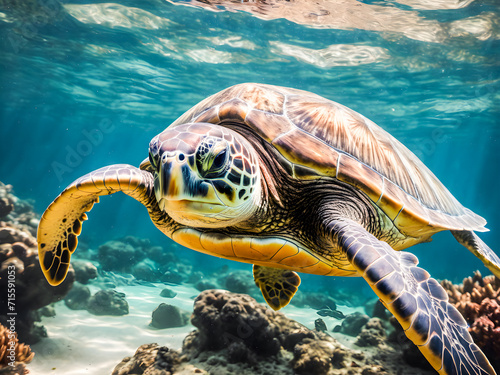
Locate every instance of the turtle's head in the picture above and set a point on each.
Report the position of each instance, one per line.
(205, 175)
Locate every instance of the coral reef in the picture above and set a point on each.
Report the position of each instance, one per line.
(352, 324)
(478, 300)
(372, 333)
(78, 297)
(108, 302)
(168, 316)
(376, 309)
(156, 360)
(202, 285)
(238, 282)
(84, 271)
(145, 270)
(48, 311)
(13, 354)
(237, 335)
(120, 259)
(136, 256)
(20, 267)
(118, 256)
(6, 207)
(233, 316)
(172, 276)
(18, 212)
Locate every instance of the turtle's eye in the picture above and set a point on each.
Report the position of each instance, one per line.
(218, 166)
(212, 158)
(219, 162)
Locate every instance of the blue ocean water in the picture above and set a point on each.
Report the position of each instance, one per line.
(85, 84)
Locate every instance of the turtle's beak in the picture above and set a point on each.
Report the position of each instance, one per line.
(170, 182)
(178, 188)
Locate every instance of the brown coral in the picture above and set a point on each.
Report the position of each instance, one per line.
(486, 328)
(11, 351)
(151, 357)
(372, 333)
(237, 335)
(478, 300)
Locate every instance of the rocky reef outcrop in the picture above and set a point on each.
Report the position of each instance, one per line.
(237, 335)
(23, 288)
(478, 300)
(372, 333)
(84, 271)
(137, 256)
(352, 324)
(108, 302)
(168, 293)
(78, 297)
(168, 316)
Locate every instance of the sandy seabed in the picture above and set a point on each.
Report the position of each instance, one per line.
(81, 343)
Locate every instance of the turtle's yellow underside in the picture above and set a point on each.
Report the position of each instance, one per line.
(263, 251)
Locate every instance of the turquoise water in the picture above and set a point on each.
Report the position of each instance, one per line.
(83, 85)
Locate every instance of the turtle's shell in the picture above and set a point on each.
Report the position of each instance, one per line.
(322, 138)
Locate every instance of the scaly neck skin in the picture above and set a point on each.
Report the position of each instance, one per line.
(318, 203)
(343, 202)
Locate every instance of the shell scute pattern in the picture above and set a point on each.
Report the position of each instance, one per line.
(233, 110)
(392, 200)
(349, 170)
(413, 218)
(275, 125)
(316, 117)
(312, 132)
(211, 115)
(306, 151)
(264, 99)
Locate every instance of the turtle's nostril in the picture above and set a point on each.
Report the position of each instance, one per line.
(181, 157)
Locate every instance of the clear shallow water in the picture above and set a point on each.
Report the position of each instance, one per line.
(119, 73)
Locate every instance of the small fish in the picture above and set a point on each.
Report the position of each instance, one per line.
(320, 325)
(332, 313)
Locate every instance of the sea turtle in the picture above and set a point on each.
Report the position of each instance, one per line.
(290, 181)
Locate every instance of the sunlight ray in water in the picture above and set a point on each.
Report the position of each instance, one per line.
(334, 55)
(435, 4)
(117, 15)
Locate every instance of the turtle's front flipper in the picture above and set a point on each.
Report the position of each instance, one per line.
(418, 302)
(61, 222)
(477, 247)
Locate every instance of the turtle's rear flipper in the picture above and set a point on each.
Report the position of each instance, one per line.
(278, 286)
(418, 302)
(477, 247)
(61, 222)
